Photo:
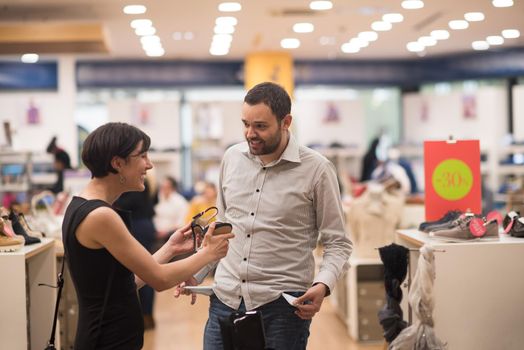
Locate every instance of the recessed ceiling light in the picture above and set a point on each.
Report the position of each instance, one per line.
(226, 20)
(320, 5)
(155, 52)
(474, 16)
(229, 7)
(381, 26)
(189, 36)
(415, 46)
(412, 4)
(350, 48)
(141, 31)
(177, 35)
(359, 42)
(290, 43)
(141, 23)
(458, 24)
(393, 17)
(152, 46)
(29, 58)
(495, 40)
(134, 9)
(303, 27)
(502, 3)
(224, 29)
(440, 34)
(223, 38)
(218, 51)
(480, 45)
(368, 36)
(510, 33)
(427, 41)
(152, 39)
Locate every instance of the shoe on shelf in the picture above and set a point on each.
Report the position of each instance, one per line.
(513, 224)
(462, 231)
(20, 230)
(447, 218)
(9, 243)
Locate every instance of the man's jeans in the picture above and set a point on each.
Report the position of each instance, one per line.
(284, 330)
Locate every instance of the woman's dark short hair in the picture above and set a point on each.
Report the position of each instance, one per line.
(108, 141)
(272, 95)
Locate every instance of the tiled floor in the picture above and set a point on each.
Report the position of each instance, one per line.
(180, 326)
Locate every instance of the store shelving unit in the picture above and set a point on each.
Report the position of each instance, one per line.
(477, 290)
(27, 309)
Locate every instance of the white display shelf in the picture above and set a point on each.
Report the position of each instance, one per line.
(26, 308)
(477, 291)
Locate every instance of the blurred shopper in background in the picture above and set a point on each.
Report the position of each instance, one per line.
(207, 198)
(171, 209)
(62, 161)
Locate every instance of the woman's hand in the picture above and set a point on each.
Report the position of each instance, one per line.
(181, 241)
(216, 246)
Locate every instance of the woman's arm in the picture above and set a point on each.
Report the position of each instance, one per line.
(103, 228)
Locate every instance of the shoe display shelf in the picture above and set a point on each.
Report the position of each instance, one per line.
(365, 296)
(26, 308)
(477, 290)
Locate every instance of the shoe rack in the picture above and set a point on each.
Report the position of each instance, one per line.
(27, 309)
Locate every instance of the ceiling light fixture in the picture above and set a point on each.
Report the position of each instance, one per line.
(303, 27)
(427, 41)
(393, 17)
(136, 23)
(189, 36)
(502, 3)
(495, 40)
(320, 5)
(152, 39)
(415, 46)
(134, 9)
(229, 7)
(440, 34)
(458, 24)
(510, 33)
(290, 43)
(412, 4)
(227, 20)
(480, 45)
(141, 31)
(349, 48)
(368, 36)
(327, 40)
(474, 16)
(29, 58)
(381, 26)
(224, 29)
(156, 52)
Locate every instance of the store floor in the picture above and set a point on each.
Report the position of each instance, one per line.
(180, 325)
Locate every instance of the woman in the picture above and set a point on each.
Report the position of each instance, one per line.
(107, 264)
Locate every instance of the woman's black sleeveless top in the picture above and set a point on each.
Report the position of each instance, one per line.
(91, 270)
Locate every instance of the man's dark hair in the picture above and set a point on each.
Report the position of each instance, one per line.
(108, 141)
(272, 95)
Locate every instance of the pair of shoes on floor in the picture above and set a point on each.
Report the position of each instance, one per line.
(467, 227)
(513, 224)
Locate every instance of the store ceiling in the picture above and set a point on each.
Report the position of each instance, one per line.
(262, 24)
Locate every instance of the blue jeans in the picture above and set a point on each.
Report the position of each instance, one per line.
(284, 330)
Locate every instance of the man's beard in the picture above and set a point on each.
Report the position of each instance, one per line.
(267, 146)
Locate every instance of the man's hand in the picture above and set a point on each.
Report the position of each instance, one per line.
(179, 290)
(314, 297)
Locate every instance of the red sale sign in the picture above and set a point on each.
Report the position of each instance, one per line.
(452, 177)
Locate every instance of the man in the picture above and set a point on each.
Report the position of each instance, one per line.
(279, 197)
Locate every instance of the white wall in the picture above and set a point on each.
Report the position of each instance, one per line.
(436, 117)
(518, 112)
(56, 111)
